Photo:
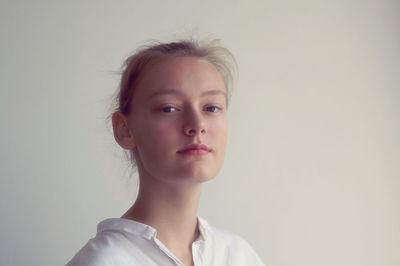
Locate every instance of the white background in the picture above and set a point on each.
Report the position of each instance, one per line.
(312, 176)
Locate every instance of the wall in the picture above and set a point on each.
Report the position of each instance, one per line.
(312, 175)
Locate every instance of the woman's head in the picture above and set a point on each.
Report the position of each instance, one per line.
(173, 99)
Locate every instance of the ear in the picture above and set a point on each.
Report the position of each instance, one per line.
(122, 134)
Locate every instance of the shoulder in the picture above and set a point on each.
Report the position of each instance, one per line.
(100, 251)
(238, 249)
(111, 246)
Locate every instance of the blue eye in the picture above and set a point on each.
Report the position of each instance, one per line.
(212, 109)
(169, 109)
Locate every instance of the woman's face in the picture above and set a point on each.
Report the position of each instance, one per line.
(179, 105)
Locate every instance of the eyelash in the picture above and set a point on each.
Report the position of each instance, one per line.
(214, 107)
(167, 107)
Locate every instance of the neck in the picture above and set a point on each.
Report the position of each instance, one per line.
(171, 209)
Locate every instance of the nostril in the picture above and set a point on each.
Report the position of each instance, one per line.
(194, 131)
(190, 131)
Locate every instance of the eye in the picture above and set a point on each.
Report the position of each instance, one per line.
(169, 109)
(212, 109)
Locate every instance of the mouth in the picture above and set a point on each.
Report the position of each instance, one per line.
(195, 149)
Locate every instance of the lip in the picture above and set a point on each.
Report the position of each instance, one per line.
(195, 149)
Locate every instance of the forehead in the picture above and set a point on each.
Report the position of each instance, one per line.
(187, 75)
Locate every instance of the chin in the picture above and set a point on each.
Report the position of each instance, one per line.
(194, 175)
(183, 173)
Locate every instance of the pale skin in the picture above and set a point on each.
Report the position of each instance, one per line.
(179, 101)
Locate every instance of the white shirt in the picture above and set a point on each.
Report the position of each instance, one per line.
(124, 242)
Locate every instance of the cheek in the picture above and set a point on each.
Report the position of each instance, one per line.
(219, 134)
(156, 136)
(221, 131)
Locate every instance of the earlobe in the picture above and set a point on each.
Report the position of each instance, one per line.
(122, 133)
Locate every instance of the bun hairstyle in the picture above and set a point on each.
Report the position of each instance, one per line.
(133, 67)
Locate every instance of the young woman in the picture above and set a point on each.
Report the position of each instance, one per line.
(172, 119)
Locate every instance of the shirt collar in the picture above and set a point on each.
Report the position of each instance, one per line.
(144, 230)
(204, 228)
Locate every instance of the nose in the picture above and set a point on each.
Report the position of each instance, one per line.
(195, 125)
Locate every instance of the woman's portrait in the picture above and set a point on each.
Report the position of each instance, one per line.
(172, 118)
(188, 133)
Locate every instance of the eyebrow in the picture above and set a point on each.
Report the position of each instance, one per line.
(176, 92)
